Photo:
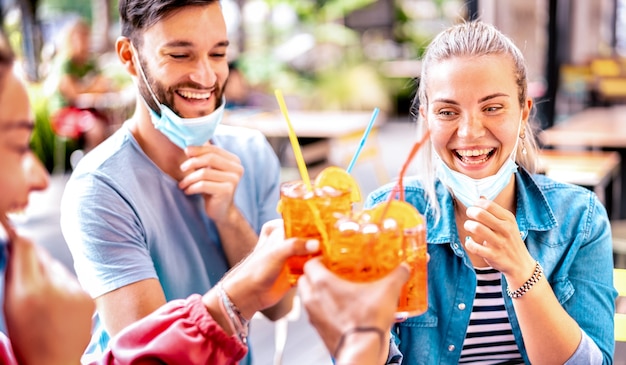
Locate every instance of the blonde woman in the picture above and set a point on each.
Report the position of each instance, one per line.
(520, 266)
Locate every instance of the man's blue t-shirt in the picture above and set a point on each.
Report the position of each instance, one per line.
(125, 220)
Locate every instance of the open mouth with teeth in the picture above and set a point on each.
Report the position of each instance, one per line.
(194, 95)
(474, 157)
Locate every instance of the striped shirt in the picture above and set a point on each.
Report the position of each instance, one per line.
(489, 338)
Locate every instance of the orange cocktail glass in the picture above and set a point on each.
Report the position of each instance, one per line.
(369, 246)
(362, 250)
(366, 246)
(306, 214)
(413, 299)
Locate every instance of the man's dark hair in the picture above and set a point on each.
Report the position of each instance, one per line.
(137, 15)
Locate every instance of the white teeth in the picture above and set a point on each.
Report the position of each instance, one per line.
(470, 153)
(194, 95)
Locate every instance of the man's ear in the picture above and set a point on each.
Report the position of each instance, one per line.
(126, 54)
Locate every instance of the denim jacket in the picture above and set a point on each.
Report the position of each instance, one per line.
(565, 228)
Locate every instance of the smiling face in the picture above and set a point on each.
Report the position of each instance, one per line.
(20, 170)
(474, 112)
(183, 57)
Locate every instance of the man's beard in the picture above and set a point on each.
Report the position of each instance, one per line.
(166, 95)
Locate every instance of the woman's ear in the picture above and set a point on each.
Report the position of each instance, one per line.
(528, 106)
(423, 112)
(125, 53)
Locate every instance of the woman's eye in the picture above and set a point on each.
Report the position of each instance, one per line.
(446, 113)
(492, 108)
(178, 55)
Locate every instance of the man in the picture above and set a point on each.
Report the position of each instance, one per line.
(171, 201)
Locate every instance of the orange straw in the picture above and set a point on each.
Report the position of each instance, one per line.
(399, 187)
(414, 150)
(294, 141)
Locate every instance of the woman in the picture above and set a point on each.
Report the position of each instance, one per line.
(520, 266)
(75, 85)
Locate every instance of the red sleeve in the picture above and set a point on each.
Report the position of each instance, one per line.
(180, 332)
(6, 351)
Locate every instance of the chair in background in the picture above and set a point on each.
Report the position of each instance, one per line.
(609, 81)
(606, 67)
(619, 281)
(575, 85)
(281, 327)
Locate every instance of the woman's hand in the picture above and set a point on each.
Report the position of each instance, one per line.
(495, 236)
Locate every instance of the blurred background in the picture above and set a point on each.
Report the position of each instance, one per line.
(335, 61)
(349, 54)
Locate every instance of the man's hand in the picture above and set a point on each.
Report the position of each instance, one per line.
(215, 173)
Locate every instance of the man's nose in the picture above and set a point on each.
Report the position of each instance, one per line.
(205, 72)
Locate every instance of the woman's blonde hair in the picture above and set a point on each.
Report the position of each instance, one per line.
(472, 38)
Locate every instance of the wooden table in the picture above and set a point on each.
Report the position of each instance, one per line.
(596, 128)
(599, 128)
(596, 170)
(311, 124)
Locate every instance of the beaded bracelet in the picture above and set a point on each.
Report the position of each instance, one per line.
(537, 274)
(240, 324)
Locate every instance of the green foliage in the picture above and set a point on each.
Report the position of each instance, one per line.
(357, 87)
(82, 8)
(335, 74)
(44, 142)
(317, 11)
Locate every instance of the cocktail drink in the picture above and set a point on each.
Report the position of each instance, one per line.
(366, 246)
(414, 296)
(307, 213)
(362, 250)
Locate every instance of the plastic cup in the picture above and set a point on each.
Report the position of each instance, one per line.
(307, 214)
(413, 299)
(360, 250)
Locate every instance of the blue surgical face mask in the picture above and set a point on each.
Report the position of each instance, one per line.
(183, 132)
(468, 190)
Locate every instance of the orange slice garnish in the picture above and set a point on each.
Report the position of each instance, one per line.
(402, 212)
(339, 179)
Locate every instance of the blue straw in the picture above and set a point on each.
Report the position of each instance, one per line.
(363, 139)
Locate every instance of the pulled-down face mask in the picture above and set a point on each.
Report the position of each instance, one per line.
(182, 132)
(468, 190)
